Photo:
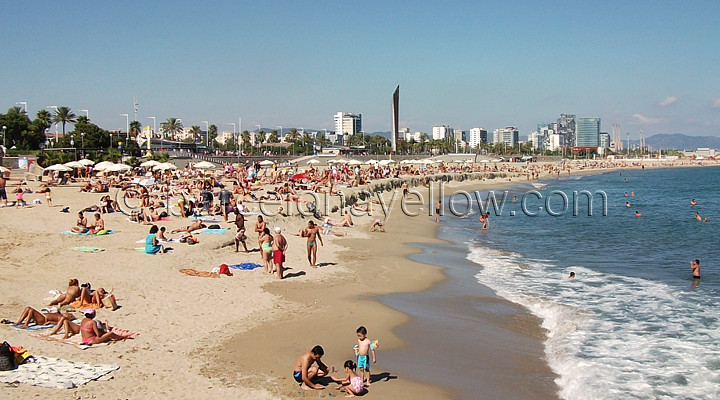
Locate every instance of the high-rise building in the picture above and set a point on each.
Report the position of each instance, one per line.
(604, 140)
(478, 135)
(442, 132)
(566, 128)
(508, 135)
(348, 124)
(587, 133)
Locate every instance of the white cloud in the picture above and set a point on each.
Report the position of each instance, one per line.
(646, 120)
(668, 100)
(716, 103)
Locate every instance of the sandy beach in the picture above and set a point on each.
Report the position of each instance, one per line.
(239, 336)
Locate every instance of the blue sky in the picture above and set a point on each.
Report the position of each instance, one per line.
(650, 65)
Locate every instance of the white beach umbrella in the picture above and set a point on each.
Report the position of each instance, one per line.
(266, 163)
(469, 160)
(355, 162)
(341, 161)
(313, 161)
(205, 165)
(58, 167)
(119, 167)
(86, 162)
(3, 169)
(102, 166)
(386, 162)
(165, 166)
(74, 164)
(149, 164)
(371, 161)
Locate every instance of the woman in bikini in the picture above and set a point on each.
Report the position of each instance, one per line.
(30, 314)
(70, 295)
(266, 241)
(91, 334)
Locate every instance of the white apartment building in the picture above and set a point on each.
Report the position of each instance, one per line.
(478, 135)
(507, 135)
(555, 142)
(412, 136)
(442, 132)
(347, 124)
(223, 136)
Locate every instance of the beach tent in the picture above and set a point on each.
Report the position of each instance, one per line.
(102, 166)
(149, 164)
(266, 163)
(86, 162)
(73, 164)
(204, 165)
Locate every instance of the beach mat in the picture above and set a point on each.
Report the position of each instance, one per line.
(87, 249)
(34, 327)
(245, 266)
(220, 231)
(69, 232)
(202, 274)
(56, 373)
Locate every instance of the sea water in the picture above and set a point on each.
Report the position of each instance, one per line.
(632, 324)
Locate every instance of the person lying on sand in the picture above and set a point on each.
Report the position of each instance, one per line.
(192, 227)
(70, 295)
(30, 314)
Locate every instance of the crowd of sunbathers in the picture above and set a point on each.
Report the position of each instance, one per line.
(91, 331)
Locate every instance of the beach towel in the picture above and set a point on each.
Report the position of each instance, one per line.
(245, 266)
(56, 373)
(204, 218)
(220, 231)
(76, 340)
(202, 274)
(87, 249)
(76, 305)
(69, 232)
(34, 327)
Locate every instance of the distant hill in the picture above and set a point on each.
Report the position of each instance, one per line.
(678, 141)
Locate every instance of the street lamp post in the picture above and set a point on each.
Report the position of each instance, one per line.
(127, 126)
(87, 114)
(4, 129)
(302, 135)
(281, 132)
(153, 118)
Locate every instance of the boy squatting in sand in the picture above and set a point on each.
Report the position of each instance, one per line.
(362, 358)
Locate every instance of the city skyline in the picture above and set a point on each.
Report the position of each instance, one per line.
(648, 67)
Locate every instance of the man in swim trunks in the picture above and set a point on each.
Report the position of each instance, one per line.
(240, 236)
(312, 233)
(279, 247)
(304, 372)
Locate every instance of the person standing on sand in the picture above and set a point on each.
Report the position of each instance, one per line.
(304, 372)
(240, 236)
(259, 228)
(225, 198)
(3, 194)
(438, 207)
(279, 247)
(312, 233)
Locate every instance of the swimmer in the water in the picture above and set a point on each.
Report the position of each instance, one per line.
(637, 214)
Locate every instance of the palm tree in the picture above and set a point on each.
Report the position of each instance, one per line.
(135, 128)
(83, 119)
(273, 138)
(64, 115)
(45, 117)
(171, 127)
(292, 136)
(245, 136)
(196, 132)
(260, 136)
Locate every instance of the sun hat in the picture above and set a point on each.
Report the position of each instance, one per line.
(277, 229)
(90, 313)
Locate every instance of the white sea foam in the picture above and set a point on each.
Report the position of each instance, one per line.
(612, 336)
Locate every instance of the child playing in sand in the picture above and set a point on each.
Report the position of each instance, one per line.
(19, 202)
(352, 383)
(362, 355)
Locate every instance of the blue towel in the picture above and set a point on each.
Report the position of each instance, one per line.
(34, 327)
(246, 266)
(220, 231)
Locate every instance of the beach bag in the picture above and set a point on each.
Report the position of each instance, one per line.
(214, 226)
(110, 302)
(163, 214)
(192, 240)
(7, 357)
(21, 355)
